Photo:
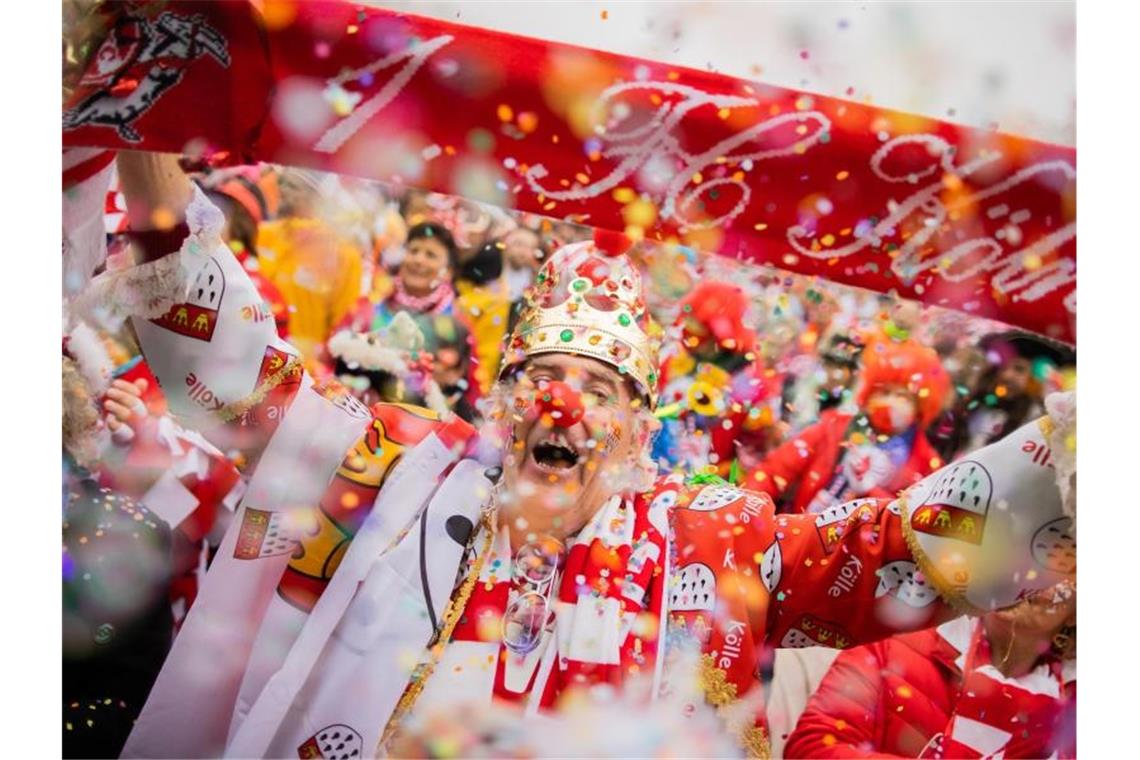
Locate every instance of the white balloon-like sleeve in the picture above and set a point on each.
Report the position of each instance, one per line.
(211, 348)
(990, 526)
(1062, 435)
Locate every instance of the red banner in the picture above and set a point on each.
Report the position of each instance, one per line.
(956, 217)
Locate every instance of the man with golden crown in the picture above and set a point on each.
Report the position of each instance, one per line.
(385, 562)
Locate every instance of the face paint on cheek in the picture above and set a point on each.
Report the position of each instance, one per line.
(523, 405)
(612, 440)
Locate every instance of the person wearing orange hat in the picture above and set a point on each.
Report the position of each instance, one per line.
(877, 451)
(385, 563)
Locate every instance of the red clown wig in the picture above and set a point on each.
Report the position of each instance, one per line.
(909, 365)
(717, 310)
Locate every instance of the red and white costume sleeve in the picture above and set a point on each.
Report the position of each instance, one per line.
(973, 536)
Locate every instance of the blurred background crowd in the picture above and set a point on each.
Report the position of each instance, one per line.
(338, 258)
(813, 392)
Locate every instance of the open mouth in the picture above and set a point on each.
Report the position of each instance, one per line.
(555, 455)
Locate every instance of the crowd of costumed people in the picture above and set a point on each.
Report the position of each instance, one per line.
(655, 470)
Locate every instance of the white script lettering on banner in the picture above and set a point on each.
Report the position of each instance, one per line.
(657, 141)
(1015, 276)
(412, 59)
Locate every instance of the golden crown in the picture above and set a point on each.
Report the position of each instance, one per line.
(590, 303)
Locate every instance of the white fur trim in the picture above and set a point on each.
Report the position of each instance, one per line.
(380, 350)
(403, 332)
(145, 291)
(435, 399)
(1062, 410)
(385, 351)
(149, 290)
(91, 357)
(367, 351)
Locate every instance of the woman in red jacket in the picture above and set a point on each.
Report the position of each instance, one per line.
(877, 452)
(999, 686)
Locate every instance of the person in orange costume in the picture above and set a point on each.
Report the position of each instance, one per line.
(876, 452)
(484, 306)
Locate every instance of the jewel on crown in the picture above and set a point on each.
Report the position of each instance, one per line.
(587, 300)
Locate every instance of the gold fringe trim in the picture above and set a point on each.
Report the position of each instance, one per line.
(721, 693)
(451, 615)
(1046, 426)
(945, 589)
(232, 411)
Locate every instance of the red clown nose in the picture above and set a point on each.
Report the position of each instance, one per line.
(561, 402)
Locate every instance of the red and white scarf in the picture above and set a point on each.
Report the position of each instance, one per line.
(435, 302)
(608, 608)
(1032, 715)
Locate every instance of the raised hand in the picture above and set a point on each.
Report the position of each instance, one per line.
(125, 410)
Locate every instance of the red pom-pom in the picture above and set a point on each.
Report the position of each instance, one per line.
(594, 269)
(561, 402)
(611, 243)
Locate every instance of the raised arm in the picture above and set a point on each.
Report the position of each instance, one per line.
(974, 536)
(195, 310)
(156, 189)
(844, 577)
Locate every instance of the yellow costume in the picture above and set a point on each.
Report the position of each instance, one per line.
(318, 273)
(486, 309)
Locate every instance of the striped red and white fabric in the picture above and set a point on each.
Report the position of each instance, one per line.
(603, 589)
(998, 716)
(970, 219)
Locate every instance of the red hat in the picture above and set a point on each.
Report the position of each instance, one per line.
(716, 309)
(250, 188)
(909, 365)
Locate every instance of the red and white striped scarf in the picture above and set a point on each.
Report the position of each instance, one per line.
(1032, 715)
(436, 302)
(608, 609)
